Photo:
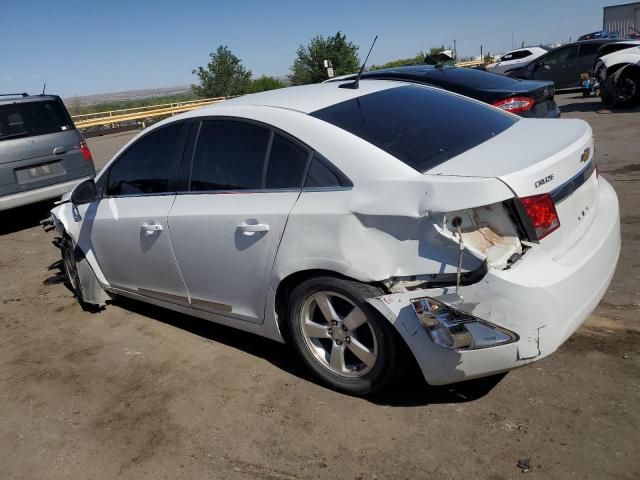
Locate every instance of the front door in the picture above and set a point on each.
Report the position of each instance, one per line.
(129, 232)
(557, 66)
(226, 229)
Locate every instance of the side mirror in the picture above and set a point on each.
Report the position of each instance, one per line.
(85, 192)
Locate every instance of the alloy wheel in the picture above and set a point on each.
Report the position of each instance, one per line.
(338, 334)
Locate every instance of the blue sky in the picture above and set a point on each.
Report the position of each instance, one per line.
(111, 45)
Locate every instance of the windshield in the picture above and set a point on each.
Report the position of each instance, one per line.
(27, 119)
(423, 127)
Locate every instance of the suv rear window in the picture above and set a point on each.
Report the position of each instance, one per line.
(28, 119)
(422, 127)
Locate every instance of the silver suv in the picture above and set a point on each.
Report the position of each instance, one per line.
(42, 155)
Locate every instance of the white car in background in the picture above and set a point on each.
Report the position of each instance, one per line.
(358, 223)
(516, 58)
(618, 74)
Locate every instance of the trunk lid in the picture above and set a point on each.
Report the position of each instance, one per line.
(540, 156)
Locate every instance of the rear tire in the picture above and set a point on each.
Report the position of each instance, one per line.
(342, 339)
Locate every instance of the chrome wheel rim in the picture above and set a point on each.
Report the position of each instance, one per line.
(338, 334)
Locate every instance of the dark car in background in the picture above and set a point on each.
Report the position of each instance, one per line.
(524, 98)
(42, 155)
(563, 65)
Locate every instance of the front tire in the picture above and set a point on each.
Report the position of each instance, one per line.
(70, 265)
(343, 340)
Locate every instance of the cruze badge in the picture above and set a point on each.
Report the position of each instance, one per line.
(544, 180)
(585, 155)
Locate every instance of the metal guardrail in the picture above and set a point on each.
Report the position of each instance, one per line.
(88, 120)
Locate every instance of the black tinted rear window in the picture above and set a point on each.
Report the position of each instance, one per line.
(422, 127)
(27, 119)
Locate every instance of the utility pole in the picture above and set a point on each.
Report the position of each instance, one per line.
(455, 51)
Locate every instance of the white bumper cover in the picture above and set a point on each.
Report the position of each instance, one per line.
(542, 299)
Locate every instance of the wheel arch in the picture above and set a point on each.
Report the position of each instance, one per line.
(291, 281)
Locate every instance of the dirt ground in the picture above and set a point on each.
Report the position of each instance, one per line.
(135, 391)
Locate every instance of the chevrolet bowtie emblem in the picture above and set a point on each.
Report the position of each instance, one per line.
(585, 155)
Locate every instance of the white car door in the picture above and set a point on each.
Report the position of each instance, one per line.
(227, 227)
(129, 232)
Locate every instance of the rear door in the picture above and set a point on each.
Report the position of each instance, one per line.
(226, 228)
(586, 57)
(129, 232)
(39, 146)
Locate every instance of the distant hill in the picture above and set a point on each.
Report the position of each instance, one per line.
(127, 95)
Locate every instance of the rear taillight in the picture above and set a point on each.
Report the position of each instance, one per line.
(515, 104)
(85, 151)
(542, 212)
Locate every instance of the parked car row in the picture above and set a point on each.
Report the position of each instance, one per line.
(368, 222)
(605, 64)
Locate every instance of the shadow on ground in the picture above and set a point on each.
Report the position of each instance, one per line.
(593, 104)
(410, 391)
(22, 218)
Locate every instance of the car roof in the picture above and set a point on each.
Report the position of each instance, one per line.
(24, 97)
(304, 98)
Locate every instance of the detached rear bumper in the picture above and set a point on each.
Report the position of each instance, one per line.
(542, 299)
(39, 194)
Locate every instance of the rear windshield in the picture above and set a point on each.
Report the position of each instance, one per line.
(27, 119)
(422, 127)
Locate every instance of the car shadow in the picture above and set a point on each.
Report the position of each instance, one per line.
(23, 218)
(410, 391)
(593, 104)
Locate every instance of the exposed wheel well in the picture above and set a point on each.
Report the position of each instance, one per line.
(290, 282)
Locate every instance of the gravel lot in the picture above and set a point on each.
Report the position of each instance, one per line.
(135, 390)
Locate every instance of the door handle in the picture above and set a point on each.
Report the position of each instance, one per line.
(151, 228)
(247, 229)
(59, 150)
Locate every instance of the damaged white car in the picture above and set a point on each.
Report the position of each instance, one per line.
(618, 74)
(358, 223)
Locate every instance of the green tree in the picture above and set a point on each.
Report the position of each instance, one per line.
(308, 66)
(419, 58)
(224, 75)
(263, 84)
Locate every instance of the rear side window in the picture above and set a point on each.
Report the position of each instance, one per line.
(146, 167)
(229, 155)
(28, 119)
(323, 175)
(287, 163)
(422, 127)
(589, 49)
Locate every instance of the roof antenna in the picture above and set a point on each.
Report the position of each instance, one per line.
(44, 87)
(356, 83)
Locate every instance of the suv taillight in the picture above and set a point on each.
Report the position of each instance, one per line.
(515, 104)
(542, 212)
(85, 151)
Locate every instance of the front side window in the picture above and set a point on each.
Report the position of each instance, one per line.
(422, 127)
(560, 56)
(147, 166)
(229, 155)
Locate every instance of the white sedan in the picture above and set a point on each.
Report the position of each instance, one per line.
(362, 225)
(516, 58)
